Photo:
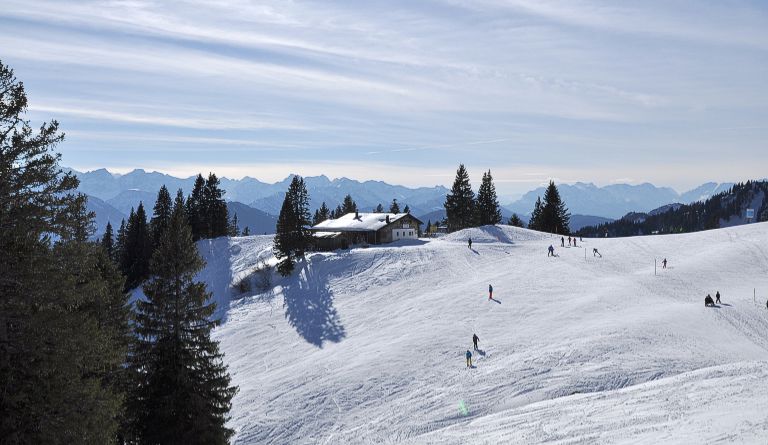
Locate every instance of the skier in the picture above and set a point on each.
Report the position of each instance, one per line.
(569, 241)
(562, 241)
(475, 339)
(595, 252)
(469, 242)
(551, 251)
(490, 292)
(664, 263)
(574, 241)
(708, 301)
(717, 297)
(469, 358)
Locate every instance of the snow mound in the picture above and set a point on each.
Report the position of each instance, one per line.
(495, 234)
(367, 345)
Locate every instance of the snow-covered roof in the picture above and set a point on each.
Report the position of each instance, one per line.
(327, 234)
(364, 222)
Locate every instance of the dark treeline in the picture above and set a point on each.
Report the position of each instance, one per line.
(77, 364)
(205, 211)
(463, 209)
(703, 215)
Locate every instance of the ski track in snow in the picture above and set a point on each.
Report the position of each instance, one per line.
(366, 346)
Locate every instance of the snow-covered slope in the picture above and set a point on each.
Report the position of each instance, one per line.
(367, 345)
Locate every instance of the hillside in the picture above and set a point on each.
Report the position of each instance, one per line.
(366, 345)
(724, 209)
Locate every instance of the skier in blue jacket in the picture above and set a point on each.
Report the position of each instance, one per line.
(469, 359)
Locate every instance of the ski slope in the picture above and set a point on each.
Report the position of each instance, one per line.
(366, 346)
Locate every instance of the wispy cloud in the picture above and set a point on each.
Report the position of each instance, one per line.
(558, 87)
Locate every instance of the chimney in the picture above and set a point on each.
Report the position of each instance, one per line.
(357, 215)
(387, 219)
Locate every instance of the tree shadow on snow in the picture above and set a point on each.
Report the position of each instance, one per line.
(309, 307)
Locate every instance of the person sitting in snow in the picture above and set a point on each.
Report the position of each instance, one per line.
(469, 358)
(708, 301)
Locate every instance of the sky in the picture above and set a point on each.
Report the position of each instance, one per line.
(669, 92)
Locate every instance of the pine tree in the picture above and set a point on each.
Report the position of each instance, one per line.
(214, 207)
(406, 209)
(339, 211)
(487, 210)
(161, 216)
(196, 211)
(460, 203)
(554, 214)
(348, 206)
(515, 221)
(394, 207)
(234, 229)
(379, 209)
(182, 392)
(137, 250)
(246, 231)
(429, 227)
(292, 236)
(535, 222)
(107, 241)
(58, 343)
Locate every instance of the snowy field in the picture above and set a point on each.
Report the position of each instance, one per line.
(367, 346)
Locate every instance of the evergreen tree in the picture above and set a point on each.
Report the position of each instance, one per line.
(246, 231)
(406, 209)
(107, 241)
(515, 221)
(379, 209)
(59, 350)
(234, 229)
(292, 236)
(181, 392)
(487, 210)
(554, 214)
(429, 227)
(137, 250)
(339, 211)
(195, 209)
(161, 216)
(394, 207)
(119, 250)
(535, 222)
(321, 214)
(348, 206)
(460, 202)
(214, 207)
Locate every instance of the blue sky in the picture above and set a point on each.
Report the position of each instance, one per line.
(674, 93)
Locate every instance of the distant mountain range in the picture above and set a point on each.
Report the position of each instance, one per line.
(724, 209)
(615, 201)
(257, 203)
